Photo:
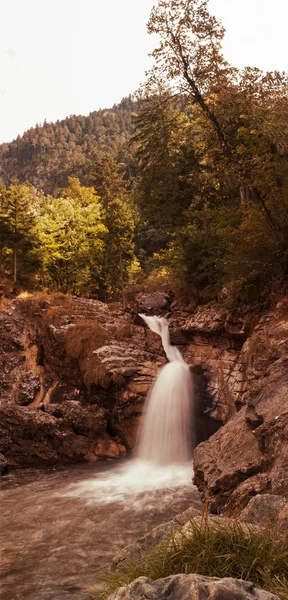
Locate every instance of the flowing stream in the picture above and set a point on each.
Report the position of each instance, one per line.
(61, 526)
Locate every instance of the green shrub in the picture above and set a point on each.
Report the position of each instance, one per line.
(233, 550)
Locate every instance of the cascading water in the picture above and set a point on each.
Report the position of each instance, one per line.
(165, 441)
(166, 435)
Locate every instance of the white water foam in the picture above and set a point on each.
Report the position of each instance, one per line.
(135, 484)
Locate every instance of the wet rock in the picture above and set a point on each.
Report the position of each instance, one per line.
(191, 587)
(107, 448)
(31, 437)
(157, 301)
(88, 420)
(204, 424)
(126, 427)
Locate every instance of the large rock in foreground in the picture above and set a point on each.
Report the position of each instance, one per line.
(191, 587)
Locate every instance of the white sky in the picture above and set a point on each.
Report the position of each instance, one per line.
(62, 57)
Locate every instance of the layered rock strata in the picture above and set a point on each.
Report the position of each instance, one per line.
(249, 454)
(74, 376)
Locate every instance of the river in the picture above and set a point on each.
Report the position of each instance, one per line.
(60, 526)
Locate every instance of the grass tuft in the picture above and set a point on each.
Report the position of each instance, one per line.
(124, 332)
(213, 550)
(84, 337)
(56, 305)
(5, 304)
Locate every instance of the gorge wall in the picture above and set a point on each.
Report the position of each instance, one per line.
(75, 373)
(74, 376)
(249, 454)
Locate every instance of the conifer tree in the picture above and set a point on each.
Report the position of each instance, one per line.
(167, 160)
(119, 219)
(18, 227)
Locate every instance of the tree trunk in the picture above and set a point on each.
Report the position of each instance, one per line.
(244, 195)
(15, 266)
(122, 282)
(235, 162)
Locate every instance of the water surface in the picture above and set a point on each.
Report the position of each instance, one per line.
(60, 526)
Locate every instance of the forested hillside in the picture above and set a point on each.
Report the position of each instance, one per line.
(185, 190)
(47, 154)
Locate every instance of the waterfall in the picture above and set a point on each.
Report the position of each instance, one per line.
(166, 434)
(165, 442)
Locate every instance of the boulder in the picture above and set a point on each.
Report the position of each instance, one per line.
(191, 587)
(31, 437)
(157, 301)
(209, 321)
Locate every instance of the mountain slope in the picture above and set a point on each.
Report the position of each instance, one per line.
(46, 155)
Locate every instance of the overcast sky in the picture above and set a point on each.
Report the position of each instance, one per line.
(63, 57)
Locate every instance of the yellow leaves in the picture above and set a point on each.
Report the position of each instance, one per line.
(241, 149)
(242, 130)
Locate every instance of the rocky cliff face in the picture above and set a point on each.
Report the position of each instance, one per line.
(75, 373)
(74, 376)
(214, 337)
(249, 454)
